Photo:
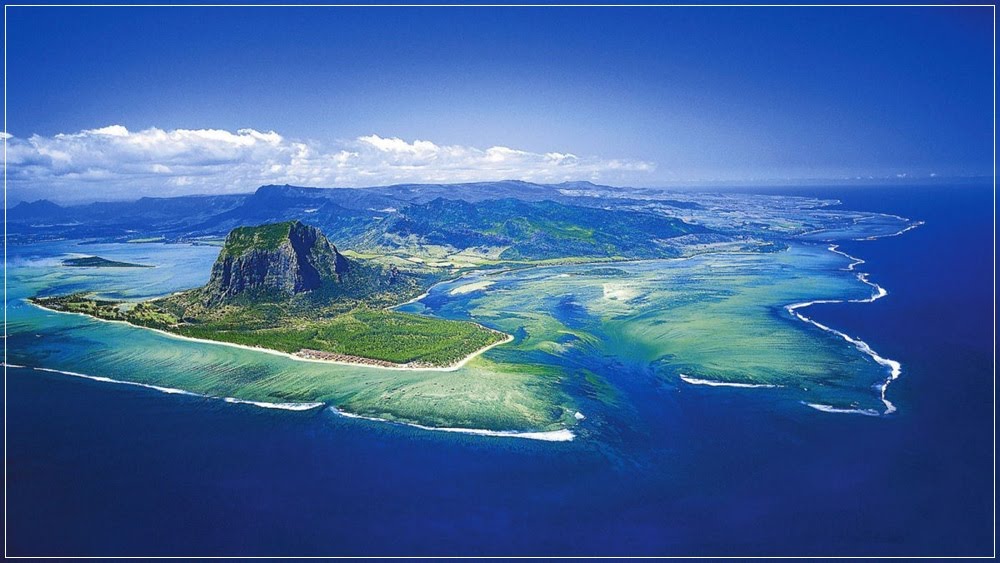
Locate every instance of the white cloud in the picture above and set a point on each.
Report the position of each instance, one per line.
(110, 130)
(113, 162)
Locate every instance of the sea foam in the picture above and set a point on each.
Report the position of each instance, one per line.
(909, 227)
(281, 406)
(711, 383)
(838, 410)
(562, 435)
(173, 391)
(168, 390)
(878, 292)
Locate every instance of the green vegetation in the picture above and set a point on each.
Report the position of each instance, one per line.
(389, 336)
(376, 334)
(535, 230)
(98, 262)
(261, 237)
(142, 314)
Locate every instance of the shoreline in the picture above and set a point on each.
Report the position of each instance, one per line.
(294, 356)
(422, 295)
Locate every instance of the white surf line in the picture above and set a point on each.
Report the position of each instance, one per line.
(895, 368)
(857, 220)
(173, 391)
(909, 227)
(695, 381)
(281, 406)
(452, 367)
(855, 261)
(828, 408)
(562, 435)
(168, 390)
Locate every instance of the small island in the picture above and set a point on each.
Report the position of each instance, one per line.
(98, 262)
(284, 287)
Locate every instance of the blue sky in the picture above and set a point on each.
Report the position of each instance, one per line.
(178, 100)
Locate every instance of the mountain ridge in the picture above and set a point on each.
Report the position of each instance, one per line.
(509, 220)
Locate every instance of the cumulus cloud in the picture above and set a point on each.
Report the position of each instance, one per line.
(115, 162)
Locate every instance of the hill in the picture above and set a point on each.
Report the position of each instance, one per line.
(276, 259)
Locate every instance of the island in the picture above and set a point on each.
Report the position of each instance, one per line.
(573, 289)
(284, 287)
(98, 262)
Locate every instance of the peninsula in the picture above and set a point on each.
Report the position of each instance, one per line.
(284, 287)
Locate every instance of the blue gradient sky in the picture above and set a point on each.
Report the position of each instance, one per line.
(736, 94)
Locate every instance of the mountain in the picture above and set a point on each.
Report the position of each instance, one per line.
(280, 258)
(169, 217)
(537, 230)
(291, 263)
(272, 204)
(42, 209)
(521, 220)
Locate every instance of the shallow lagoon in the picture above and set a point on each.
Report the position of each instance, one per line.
(99, 469)
(580, 329)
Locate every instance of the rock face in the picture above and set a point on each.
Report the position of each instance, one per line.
(279, 259)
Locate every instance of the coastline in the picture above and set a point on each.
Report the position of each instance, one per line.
(895, 368)
(422, 295)
(360, 362)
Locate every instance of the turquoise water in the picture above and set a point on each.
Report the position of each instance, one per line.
(658, 466)
(713, 319)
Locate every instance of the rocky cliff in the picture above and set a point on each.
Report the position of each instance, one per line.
(279, 259)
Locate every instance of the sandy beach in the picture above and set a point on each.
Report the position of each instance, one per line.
(307, 355)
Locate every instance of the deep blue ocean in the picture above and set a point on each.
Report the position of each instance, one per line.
(98, 469)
